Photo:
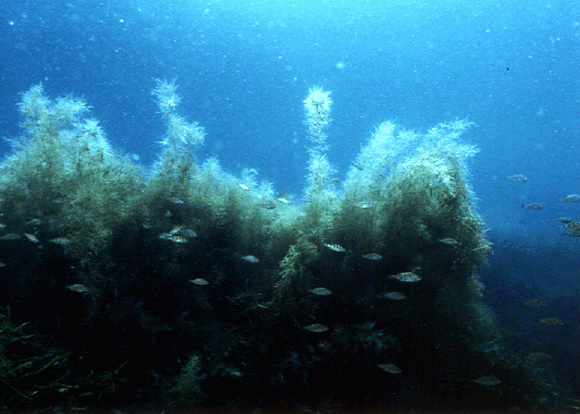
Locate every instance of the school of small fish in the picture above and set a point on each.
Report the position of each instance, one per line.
(573, 228)
(569, 224)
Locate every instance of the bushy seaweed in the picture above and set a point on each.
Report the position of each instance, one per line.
(65, 178)
(191, 286)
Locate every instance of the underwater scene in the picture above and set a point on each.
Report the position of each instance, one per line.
(316, 206)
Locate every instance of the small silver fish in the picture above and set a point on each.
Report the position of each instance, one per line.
(534, 303)
(449, 241)
(320, 291)
(250, 258)
(268, 206)
(310, 246)
(564, 220)
(79, 288)
(573, 225)
(517, 178)
(316, 327)
(284, 200)
(391, 368)
(176, 200)
(372, 256)
(364, 205)
(10, 236)
(199, 281)
(62, 241)
(537, 356)
(406, 277)
(533, 206)
(572, 198)
(188, 233)
(335, 247)
(173, 237)
(551, 321)
(391, 295)
(488, 380)
(31, 237)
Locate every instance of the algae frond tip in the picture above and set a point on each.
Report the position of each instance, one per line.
(33, 101)
(318, 102)
(166, 94)
(317, 108)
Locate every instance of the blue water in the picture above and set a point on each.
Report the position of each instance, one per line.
(244, 67)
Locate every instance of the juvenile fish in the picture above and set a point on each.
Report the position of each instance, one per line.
(10, 236)
(372, 256)
(517, 178)
(251, 259)
(175, 238)
(551, 321)
(534, 303)
(573, 225)
(316, 327)
(79, 288)
(572, 198)
(31, 237)
(406, 277)
(364, 206)
(391, 295)
(321, 291)
(62, 241)
(335, 247)
(391, 368)
(537, 356)
(488, 380)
